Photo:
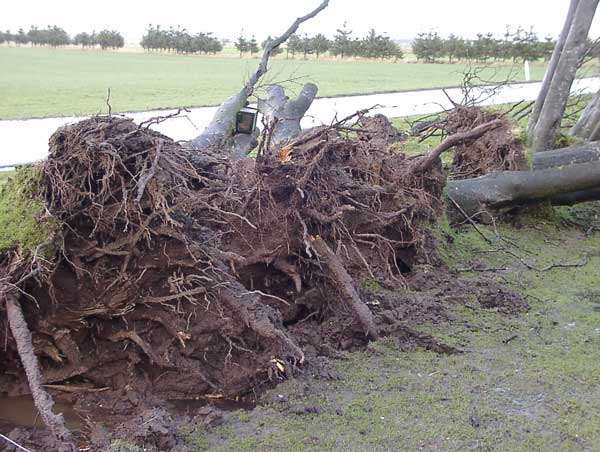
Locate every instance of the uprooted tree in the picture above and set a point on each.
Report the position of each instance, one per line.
(569, 176)
(175, 271)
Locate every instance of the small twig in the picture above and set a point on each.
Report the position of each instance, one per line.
(511, 338)
(454, 104)
(563, 265)
(470, 220)
(74, 389)
(145, 178)
(13, 443)
(158, 119)
(482, 270)
(267, 295)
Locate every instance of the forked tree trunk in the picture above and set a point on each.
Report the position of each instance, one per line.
(284, 113)
(219, 133)
(551, 70)
(566, 59)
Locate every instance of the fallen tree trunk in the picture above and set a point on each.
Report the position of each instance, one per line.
(570, 199)
(503, 189)
(572, 155)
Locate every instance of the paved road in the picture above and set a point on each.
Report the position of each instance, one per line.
(27, 140)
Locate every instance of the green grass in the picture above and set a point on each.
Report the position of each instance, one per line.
(57, 82)
(4, 175)
(538, 392)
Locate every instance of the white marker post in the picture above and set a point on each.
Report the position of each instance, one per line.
(527, 71)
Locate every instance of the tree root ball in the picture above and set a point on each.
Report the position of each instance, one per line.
(177, 273)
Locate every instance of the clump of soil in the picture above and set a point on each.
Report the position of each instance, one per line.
(497, 150)
(179, 273)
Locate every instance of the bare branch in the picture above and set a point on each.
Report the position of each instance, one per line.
(452, 141)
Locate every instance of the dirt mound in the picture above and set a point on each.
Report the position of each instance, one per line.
(496, 150)
(179, 273)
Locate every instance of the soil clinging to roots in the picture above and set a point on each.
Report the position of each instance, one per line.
(497, 150)
(179, 273)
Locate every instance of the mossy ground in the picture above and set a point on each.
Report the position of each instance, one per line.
(21, 214)
(526, 382)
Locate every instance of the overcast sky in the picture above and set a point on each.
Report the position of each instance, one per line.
(400, 19)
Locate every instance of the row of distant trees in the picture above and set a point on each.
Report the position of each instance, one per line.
(54, 36)
(373, 45)
(179, 41)
(513, 45)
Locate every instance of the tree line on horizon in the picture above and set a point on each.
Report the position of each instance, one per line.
(513, 45)
(55, 36)
(373, 46)
(180, 41)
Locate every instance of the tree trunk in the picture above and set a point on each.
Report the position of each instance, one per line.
(570, 199)
(218, 134)
(509, 188)
(588, 126)
(550, 71)
(589, 152)
(285, 114)
(545, 125)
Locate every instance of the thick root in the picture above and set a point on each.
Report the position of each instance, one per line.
(42, 400)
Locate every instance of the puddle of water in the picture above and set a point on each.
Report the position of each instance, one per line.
(21, 412)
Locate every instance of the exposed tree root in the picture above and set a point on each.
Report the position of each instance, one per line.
(43, 401)
(346, 286)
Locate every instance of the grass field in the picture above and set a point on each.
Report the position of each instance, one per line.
(4, 175)
(55, 82)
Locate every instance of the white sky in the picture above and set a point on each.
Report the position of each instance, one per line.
(400, 19)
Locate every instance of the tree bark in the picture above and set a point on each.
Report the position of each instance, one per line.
(551, 70)
(286, 114)
(588, 152)
(509, 188)
(570, 199)
(346, 287)
(588, 126)
(545, 125)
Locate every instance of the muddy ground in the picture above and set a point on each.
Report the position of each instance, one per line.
(154, 272)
